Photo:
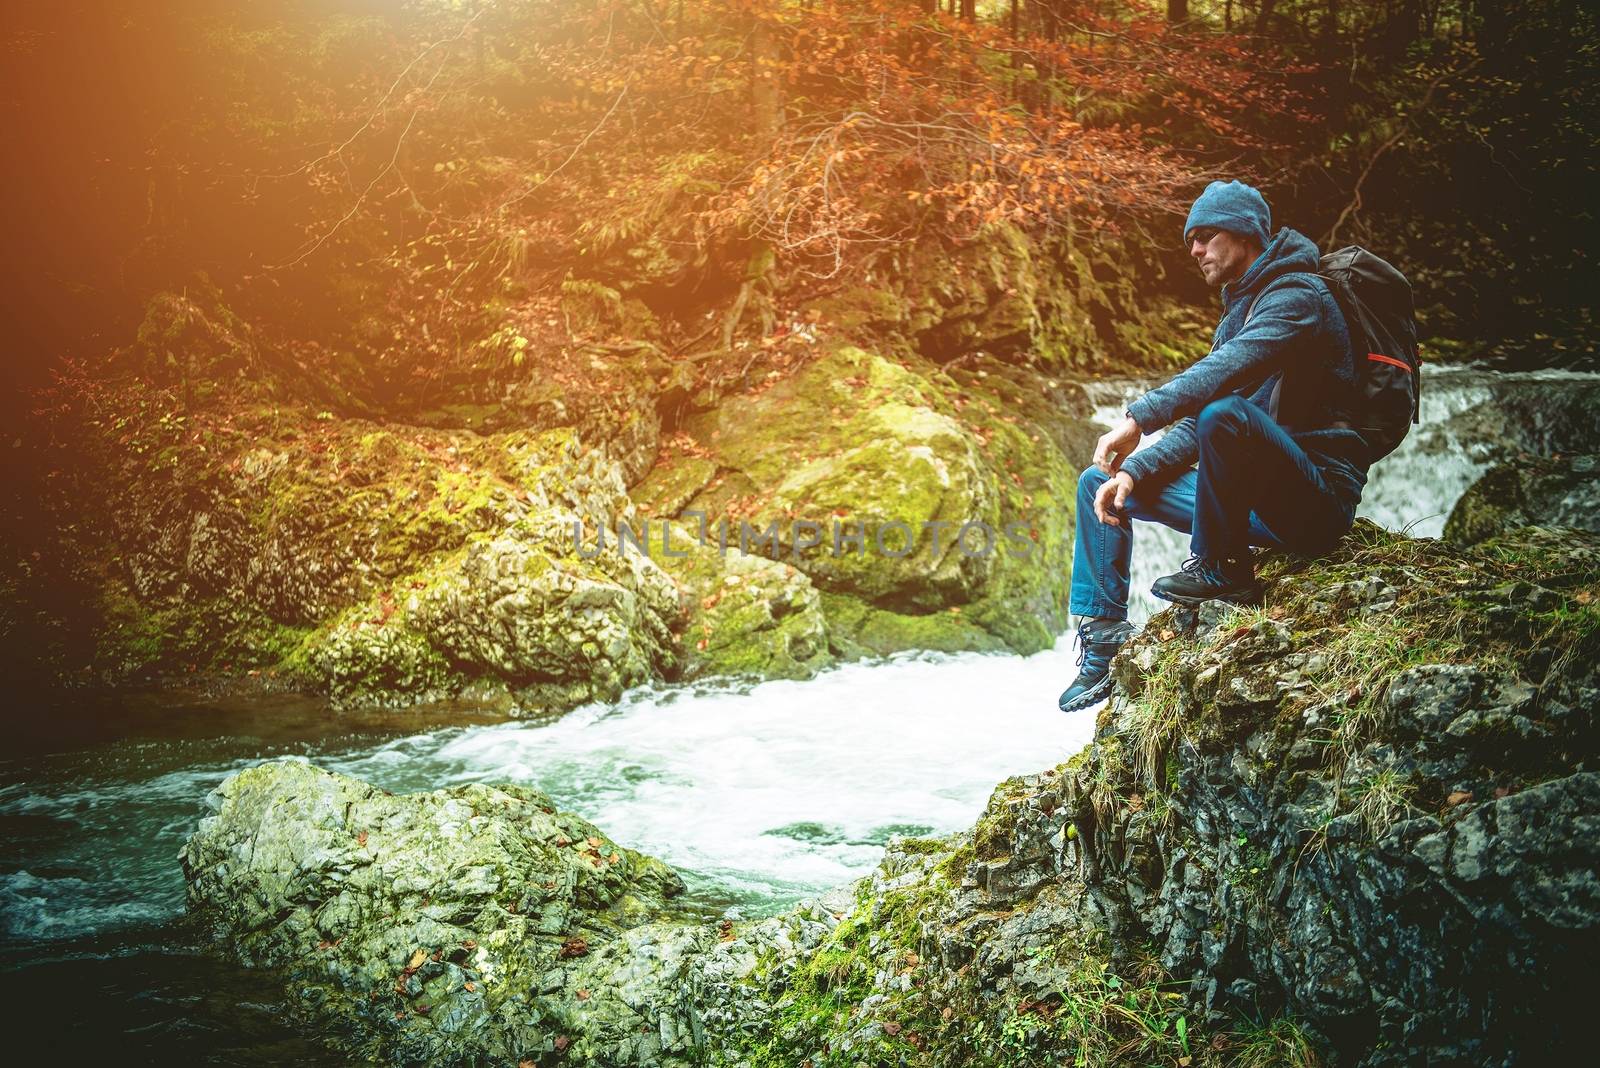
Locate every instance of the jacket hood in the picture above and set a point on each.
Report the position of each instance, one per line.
(1289, 251)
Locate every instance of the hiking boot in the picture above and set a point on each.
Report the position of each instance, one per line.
(1098, 642)
(1203, 579)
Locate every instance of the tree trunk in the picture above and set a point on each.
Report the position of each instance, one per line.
(1177, 10)
(763, 85)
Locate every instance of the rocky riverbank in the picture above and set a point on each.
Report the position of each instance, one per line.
(1356, 825)
(259, 516)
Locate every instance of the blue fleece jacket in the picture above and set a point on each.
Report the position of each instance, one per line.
(1295, 323)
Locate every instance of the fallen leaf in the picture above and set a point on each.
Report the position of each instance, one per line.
(1458, 797)
(470, 944)
(562, 1042)
(416, 960)
(361, 839)
(574, 947)
(913, 960)
(583, 995)
(469, 986)
(891, 1028)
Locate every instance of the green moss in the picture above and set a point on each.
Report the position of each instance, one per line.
(992, 835)
(181, 636)
(881, 937)
(857, 629)
(861, 307)
(670, 486)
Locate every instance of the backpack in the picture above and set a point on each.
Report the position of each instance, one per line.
(1376, 301)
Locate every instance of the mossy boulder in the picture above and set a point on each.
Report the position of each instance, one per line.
(745, 614)
(908, 494)
(190, 340)
(1351, 826)
(520, 611)
(382, 564)
(1531, 491)
(415, 929)
(1355, 804)
(1057, 300)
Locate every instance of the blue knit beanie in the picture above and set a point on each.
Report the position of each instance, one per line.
(1234, 207)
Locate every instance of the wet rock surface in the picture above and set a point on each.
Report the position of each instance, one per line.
(1540, 414)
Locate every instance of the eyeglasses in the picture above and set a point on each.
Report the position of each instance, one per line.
(1203, 234)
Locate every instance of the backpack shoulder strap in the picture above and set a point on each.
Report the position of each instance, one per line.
(1269, 286)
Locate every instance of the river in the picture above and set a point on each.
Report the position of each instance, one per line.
(759, 794)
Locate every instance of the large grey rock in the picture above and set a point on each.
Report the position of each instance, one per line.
(475, 925)
(1529, 491)
(416, 929)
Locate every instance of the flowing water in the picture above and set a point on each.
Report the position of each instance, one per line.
(759, 794)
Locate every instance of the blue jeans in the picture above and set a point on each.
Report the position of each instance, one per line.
(1254, 486)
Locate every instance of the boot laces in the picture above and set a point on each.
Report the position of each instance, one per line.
(1206, 570)
(1085, 639)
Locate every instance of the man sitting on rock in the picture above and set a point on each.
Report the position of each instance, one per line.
(1267, 475)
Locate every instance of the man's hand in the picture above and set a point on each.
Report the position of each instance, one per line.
(1110, 498)
(1116, 445)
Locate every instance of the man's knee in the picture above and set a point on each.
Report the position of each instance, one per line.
(1090, 481)
(1226, 415)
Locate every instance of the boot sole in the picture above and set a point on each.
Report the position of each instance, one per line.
(1243, 600)
(1090, 697)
